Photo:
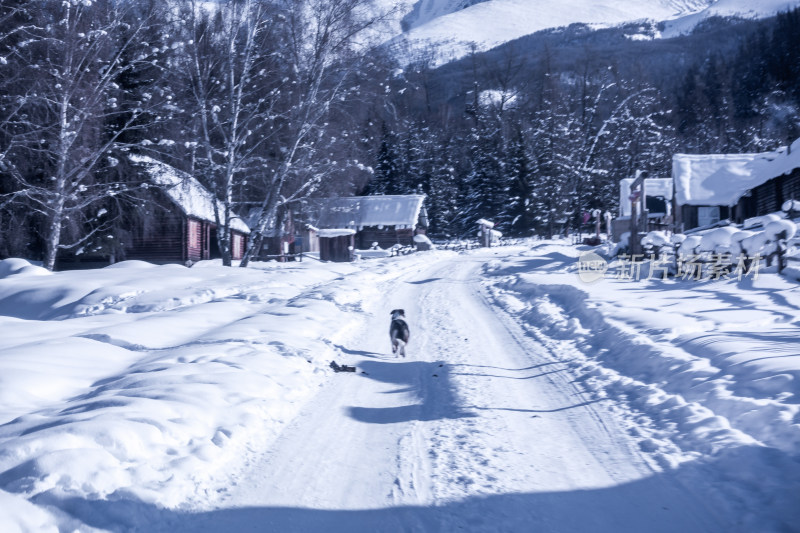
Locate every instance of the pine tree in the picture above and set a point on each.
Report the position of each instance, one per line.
(442, 202)
(386, 179)
(519, 209)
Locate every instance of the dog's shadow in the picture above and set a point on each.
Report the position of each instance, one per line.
(427, 382)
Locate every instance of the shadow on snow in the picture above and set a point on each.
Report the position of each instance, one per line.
(428, 382)
(658, 503)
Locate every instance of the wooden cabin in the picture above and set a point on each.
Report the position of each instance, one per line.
(708, 186)
(775, 183)
(712, 188)
(386, 220)
(180, 225)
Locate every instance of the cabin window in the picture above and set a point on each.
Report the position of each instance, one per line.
(194, 234)
(707, 215)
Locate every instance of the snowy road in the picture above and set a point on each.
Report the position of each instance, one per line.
(480, 428)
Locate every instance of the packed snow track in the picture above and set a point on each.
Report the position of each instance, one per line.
(478, 429)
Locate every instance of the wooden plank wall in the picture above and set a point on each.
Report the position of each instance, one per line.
(161, 242)
(386, 237)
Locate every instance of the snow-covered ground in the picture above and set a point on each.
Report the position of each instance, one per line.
(149, 383)
(161, 398)
(705, 373)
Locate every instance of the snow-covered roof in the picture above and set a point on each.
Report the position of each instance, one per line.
(335, 232)
(187, 193)
(652, 186)
(358, 212)
(721, 179)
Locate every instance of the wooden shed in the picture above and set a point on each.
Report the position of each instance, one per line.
(180, 224)
(387, 220)
(336, 245)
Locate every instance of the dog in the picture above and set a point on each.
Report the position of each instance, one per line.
(398, 332)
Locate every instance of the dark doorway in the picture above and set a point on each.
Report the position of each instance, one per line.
(213, 245)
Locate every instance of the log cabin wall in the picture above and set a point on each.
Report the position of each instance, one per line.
(161, 236)
(791, 186)
(386, 237)
(769, 197)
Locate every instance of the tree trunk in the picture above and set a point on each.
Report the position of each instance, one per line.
(257, 238)
(53, 234)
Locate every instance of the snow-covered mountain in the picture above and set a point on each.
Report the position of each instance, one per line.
(426, 10)
(727, 8)
(451, 27)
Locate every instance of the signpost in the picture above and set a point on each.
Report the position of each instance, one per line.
(638, 194)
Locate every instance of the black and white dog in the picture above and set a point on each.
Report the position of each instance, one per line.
(398, 332)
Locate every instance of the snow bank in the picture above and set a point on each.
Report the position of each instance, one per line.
(761, 221)
(20, 267)
(689, 245)
(763, 236)
(717, 240)
(151, 385)
(702, 370)
(655, 239)
(780, 230)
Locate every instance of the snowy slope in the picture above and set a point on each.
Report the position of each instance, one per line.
(491, 23)
(727, 8)
(451, 29)
(425, 11)
(706, 370)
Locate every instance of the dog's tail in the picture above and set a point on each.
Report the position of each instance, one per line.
(401, 346)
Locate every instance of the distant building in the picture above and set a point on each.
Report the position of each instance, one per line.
(336, 245)
(386, 220)
(708, 186)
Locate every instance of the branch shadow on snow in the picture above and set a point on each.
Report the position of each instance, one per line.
(558, 409)
(532, 367)
(360, 353)
(428, 382)
(658, 503)
(423, 281)
(534, 376)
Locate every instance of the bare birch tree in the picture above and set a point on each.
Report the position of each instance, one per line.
(234, 65)
(68, 118)
(325, 48)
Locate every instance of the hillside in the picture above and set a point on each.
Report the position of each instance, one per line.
(448, 29)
